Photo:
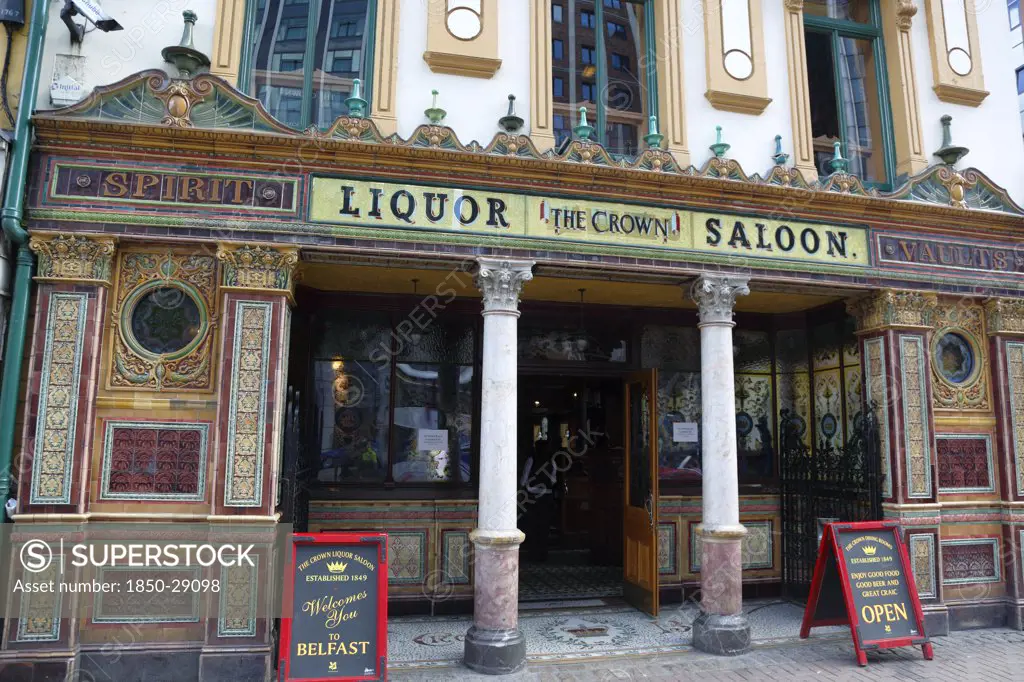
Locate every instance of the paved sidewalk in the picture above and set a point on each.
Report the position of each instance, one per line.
(989, 655)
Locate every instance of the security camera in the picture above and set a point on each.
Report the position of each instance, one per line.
(11, 508)
(91, 10)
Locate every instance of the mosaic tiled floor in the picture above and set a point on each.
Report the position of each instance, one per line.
(550, 581)
(606, 631)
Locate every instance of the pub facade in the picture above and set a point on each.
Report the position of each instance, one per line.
(563, 344)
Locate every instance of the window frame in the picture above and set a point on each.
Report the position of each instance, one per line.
(396, 309)
(648, 74)
(247, 63)
(842, 28)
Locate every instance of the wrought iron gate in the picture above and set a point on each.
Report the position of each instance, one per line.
(829, 484)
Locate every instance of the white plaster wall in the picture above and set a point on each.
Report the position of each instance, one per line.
(989, 130)
(149, 27)
(474, 105)
(752, 137)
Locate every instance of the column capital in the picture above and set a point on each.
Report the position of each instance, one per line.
(890, 308)
(254, 266)
(75, 258)
(1004, 316)
(501, 281)
(715, 296)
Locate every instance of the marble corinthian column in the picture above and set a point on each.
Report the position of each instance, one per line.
(494, 644)
(721, 627)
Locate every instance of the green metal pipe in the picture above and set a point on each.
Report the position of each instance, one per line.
(10, 220)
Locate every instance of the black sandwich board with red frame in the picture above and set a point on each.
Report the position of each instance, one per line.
(334, 623)
(863, 579)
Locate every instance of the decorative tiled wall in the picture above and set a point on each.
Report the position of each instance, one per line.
(154, 460)
(964, 463)
(971, 561)
(247, 419)
(407, 556)
(60, 379)
(916, 420)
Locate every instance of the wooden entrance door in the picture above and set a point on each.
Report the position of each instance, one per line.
(640, 523)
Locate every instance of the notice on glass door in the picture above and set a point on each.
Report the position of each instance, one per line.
(431, 439)
(684, 432)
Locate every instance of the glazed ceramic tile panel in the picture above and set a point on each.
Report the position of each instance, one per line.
(758, 550)
(1015, 384)
(964, 463)
(165, 606)
(154, 461)
(922, 561)
(916, 420)
(39, 612)
(239, 586)
(60, 379)
(668, 549)
(247, 420)
(971, 561)
(455, 560)
(876, 391)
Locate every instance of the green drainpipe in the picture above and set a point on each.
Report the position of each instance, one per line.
(10, 219)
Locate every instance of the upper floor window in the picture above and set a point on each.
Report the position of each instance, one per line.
(556, 13)
(557, 49)
(305, 55)
(848, 88)
(1013, 8)
(618, 88)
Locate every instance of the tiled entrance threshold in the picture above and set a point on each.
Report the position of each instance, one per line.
(588, 629)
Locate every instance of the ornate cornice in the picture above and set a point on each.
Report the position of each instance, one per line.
(890, 309)
(715, 296)
(74, 258)
(249, 266)
(207, 117)
(1004, 316)
(501, 281)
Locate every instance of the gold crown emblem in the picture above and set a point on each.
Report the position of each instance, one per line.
(870, 550)
(336, 566)
(888, 628)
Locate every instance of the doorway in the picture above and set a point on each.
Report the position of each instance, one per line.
(581, 530)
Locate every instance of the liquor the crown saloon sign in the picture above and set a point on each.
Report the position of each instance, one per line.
(334, 624)
(863, 579)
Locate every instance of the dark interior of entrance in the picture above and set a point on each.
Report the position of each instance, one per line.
(570, 487)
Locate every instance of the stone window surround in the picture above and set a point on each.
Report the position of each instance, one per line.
(904, 101)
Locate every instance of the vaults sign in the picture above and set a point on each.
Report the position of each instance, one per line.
(427, 208)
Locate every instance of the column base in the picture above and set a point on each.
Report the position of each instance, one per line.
(495, 652)
(721, 635)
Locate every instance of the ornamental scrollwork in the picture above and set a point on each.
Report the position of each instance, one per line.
(188, 279)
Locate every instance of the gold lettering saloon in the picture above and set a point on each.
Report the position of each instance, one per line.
(361, 204)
